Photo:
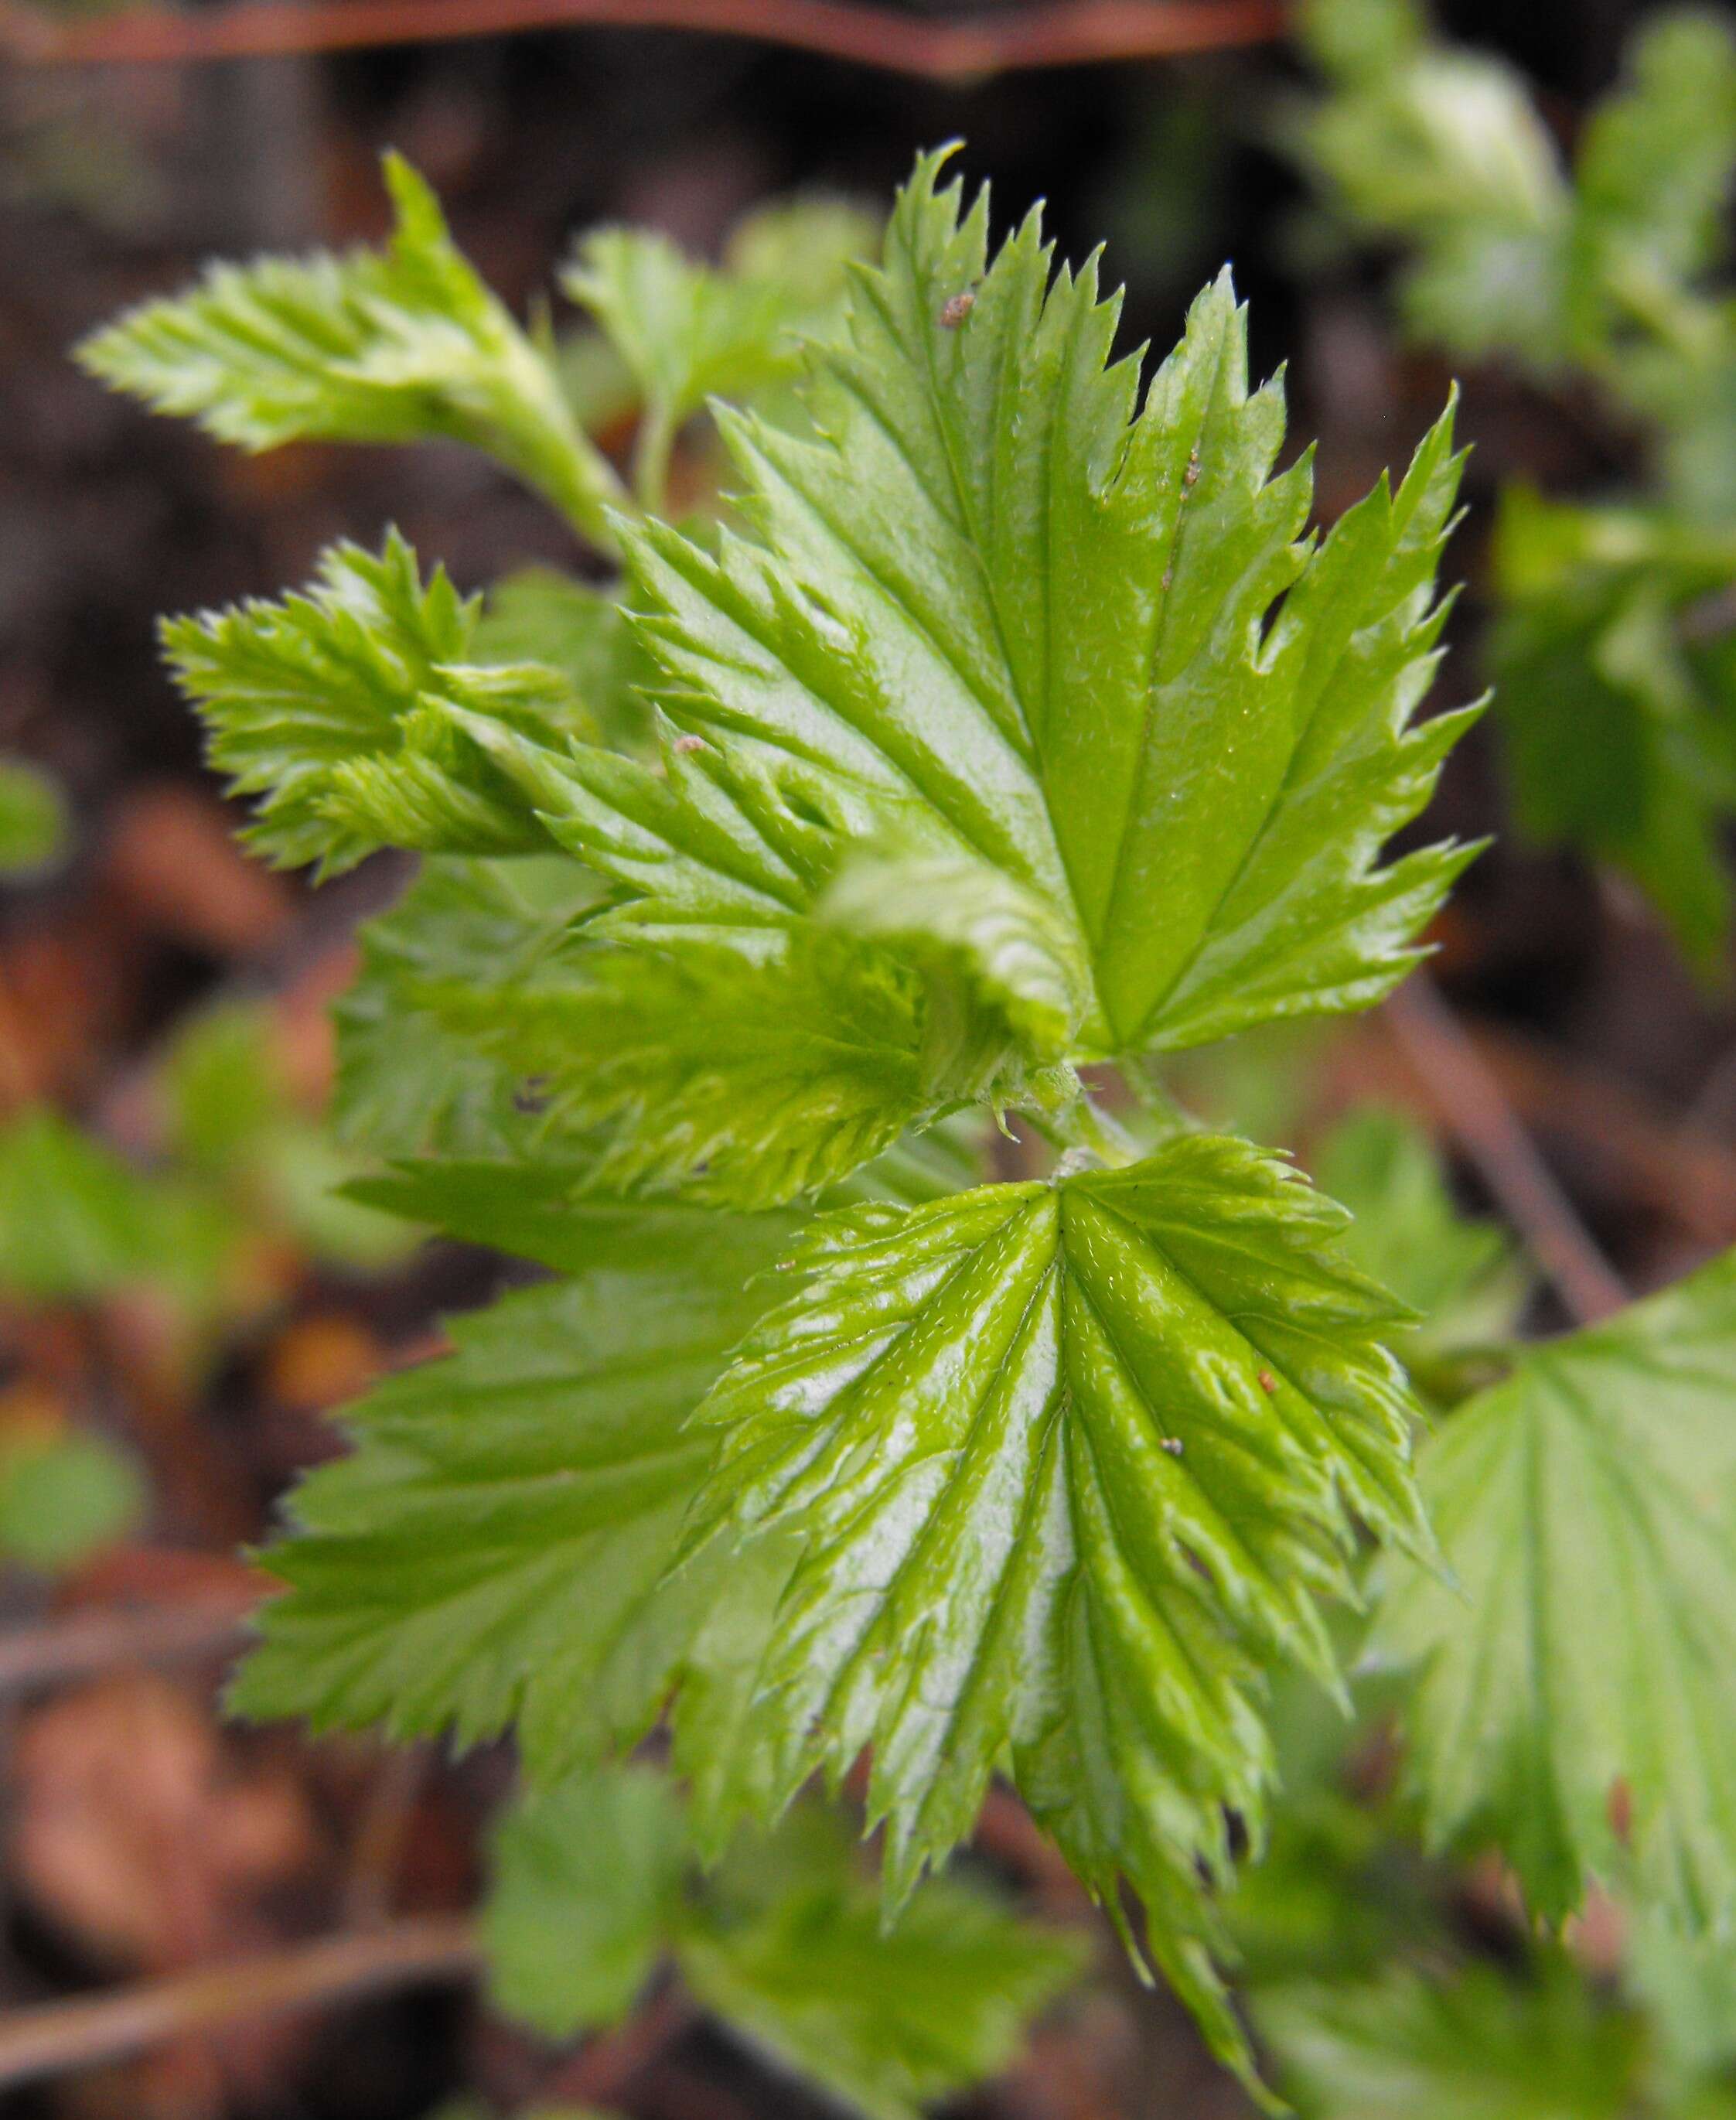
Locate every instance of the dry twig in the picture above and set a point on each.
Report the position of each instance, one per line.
(77, 1645)
(975, 48)
(61, 2036)
(1472, 1105)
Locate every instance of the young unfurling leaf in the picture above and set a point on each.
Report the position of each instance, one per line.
(343, 709)
(687, 331)
(401, 345)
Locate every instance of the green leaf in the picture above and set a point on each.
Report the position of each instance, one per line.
(586, 1886)
(402, 344)
(64, 1497)
(1576, 1686)
(791, 1951)
(538, 615)
(1460, 1277)
(971, 924)
(491, 1552)
(1481, 2048)
(1653, 175)
(688, 332)
(407, 1085)
(344, 708)
(232, 1123)
(77, 1223)
(1061, 1469)
(1619, 730)
(672, 1053)
(1443, 149)
(33, 819)
(1022, 618)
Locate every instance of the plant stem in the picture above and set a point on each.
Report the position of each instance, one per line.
(1083, 1122)
(1470, 1100)
(970, 49)
(55, 2037)
(651, 449)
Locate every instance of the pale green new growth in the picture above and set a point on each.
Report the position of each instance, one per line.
(687, 331)
(345, 710)
(1576, 1681)
(401, 345)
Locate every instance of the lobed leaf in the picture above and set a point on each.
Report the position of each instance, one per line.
(1054, 1472)
(492, 1553)
(1576, 1709)
(1024, 620)
(1482, 2047)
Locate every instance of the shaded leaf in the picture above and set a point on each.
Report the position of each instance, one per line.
(1620, 733)
(491, 1552)
(1574, 1696)
(1460, 1276)
(791, 1951)
(406, 1083)
(586, 1886)
(1481, 2048)
(540, 616)
(751, 1078)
